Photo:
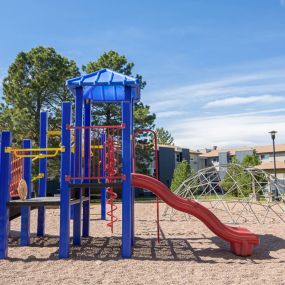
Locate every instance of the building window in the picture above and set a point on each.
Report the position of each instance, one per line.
(265, 156)
(231, 159)
(179, 157)
(215, 159)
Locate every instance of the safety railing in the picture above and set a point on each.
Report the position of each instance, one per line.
(94, 166)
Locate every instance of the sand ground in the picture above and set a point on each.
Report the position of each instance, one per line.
(188, 254)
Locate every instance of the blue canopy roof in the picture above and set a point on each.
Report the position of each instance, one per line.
(105, 85)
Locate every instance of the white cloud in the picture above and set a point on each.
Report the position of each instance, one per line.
(181, 111)
(234, 101)
(168, 114)
(252, 84)
(227, 131)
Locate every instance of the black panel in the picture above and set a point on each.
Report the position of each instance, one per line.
(166, 164)
(186, 154)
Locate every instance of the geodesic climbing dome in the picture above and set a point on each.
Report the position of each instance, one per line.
(241, 195)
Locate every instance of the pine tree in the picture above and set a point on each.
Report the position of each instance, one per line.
(110, 114)
(35, 82)
(237, 180)
(181, 173)
(164, 136)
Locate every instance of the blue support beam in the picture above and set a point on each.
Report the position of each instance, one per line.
(132, 167)
(42, 169)
(103, 174)
(26, 210)
(5, 175)
(72, 174)
(78, 163)
(64, 188)
(127, 200)
(87, 167)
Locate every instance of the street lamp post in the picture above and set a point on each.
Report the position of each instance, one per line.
(273, 133)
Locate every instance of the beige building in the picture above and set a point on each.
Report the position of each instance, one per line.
(218, 156)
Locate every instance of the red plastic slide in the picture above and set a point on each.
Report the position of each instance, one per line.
(241, 240)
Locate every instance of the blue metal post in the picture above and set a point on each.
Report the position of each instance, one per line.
(132, 167)
(42, 169)
(87, 157)
(103, 173)
(72, 174)
(78, 163)
(127, 216)
(5, 175)
(64, 189)
(26, 210)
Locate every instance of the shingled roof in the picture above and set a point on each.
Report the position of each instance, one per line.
(257, 149)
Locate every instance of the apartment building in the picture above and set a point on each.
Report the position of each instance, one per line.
(196, 162)
(169, 156)
(221, 157)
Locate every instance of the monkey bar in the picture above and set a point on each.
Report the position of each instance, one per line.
(39, 176)
(33, 152)
(54, 133)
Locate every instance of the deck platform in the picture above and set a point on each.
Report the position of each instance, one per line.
(42, 201)
(94, 185)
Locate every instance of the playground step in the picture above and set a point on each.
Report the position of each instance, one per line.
(94, 186)
(42, 201)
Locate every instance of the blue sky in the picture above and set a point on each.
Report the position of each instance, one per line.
(215, 70)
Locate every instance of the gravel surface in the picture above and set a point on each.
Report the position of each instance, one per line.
(188, 253)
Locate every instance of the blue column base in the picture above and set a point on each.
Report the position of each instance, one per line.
(77, 224)
(41, 221)
(103, 204)
(4, 233)
(25, 225)
(86, 219)
(72, 212)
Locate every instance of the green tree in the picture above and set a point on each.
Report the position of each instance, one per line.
(114, 61)
(237, 180)
(110, 114)
(164, 136)
(35, 83)
(181, 173)
(251, 160)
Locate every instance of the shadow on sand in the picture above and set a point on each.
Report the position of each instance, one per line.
(169, 249)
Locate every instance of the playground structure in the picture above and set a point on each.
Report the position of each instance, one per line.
(94, 157)
(260, 205)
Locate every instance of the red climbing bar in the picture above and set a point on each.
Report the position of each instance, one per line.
(16, 175)
(114, 134)
(111, 171)
(115, 177)
(71, 127)
(113, 207)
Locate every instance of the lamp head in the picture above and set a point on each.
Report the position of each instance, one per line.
(273, 133)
